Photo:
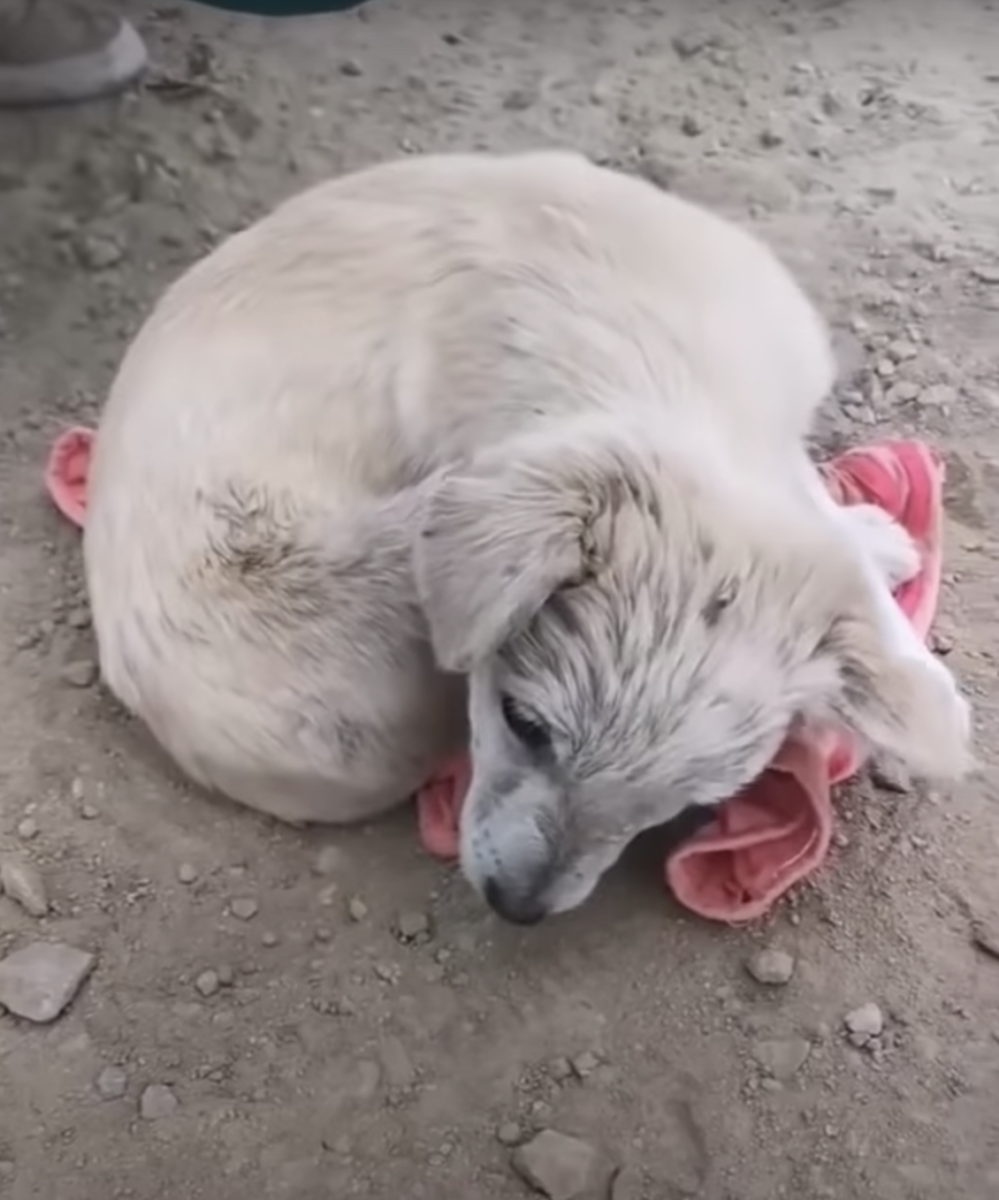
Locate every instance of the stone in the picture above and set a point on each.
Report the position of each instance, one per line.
(627, 1185)
(156, 1102)
(583, 1065)
(27, 830)
(24, 885)
(187, 873)
(80, 674)
(329, 861)
(562, 1167)
(111, 1083)
(244, 908)
(208, 983)
(357, 909)
(39, 981)
(509, 1134)
(938, 395)
(985, 935)
(782, 1057)
(771, 967)
(865, 1022)
(412, 926)
(99, 251)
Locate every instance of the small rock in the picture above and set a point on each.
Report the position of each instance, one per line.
(99, 251)
(399, 1070)
(39, 981)
(627, 1185)
(357, 909)
(583, 1065)
(865, 1022)
(985, 935)
(771, 138)
(691, 125)
(187, 873)
(782, 1057)
(244, 908)
(903, 392)
(208, 983)
(27, 830)
(329, 861)
(111, 1084)
(938, 395)
(986, 274)
(24, 885)
(79, 674)
(351, 68)
(773, 968)
(509, 1134)
(562, 1167)
(89, 813)
(156, 1102)
(412, 926)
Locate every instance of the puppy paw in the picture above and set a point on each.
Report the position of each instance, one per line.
(889, 545)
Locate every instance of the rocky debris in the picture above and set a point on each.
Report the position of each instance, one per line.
(23, 883)
(627, 1185)
(864, 1023)
(27, 830)
(357, 909)
(413, 927)
(509, 1134)
(329, 861)
(156, 1102)
(208, 983)
(99, 251)
(187, 873)
(562, 1167)
(81, 673)
(244, 908)
(39, 981)
(583, 1065)
(111, 1083)
(781, 1058)
(985, 935)
(771, 967)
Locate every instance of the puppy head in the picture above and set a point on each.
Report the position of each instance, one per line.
(637, 641)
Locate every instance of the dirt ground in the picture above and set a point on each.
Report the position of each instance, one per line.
(317, 1015)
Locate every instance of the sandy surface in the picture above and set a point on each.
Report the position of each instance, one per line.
(327, 1015)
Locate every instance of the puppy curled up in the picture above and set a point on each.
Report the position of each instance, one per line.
(499, 451)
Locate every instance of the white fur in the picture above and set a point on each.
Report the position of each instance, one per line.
(518, 423)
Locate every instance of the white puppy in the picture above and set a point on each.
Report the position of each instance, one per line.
(516, 427)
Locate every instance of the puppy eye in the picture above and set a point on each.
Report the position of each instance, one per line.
(531, 732)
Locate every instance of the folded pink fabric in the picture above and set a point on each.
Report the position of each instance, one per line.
(775, 833)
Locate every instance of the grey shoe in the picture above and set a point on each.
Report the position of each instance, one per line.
(63, 54)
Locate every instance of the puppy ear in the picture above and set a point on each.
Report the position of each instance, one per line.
(495, 544)
(905, 706)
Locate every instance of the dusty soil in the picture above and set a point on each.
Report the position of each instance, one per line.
(327, 1014)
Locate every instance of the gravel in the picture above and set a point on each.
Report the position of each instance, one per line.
(39, 981)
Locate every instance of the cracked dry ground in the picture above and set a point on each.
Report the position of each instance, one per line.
(312, 1015)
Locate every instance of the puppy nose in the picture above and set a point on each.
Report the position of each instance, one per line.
(513, 905)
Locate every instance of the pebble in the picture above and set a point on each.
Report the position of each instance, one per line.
(27, 830)
(357, 909)
(770, 967)
(865, 1022)
(208, 983)
(583, 1065)
(39, 981)
(782, 1057)
(187, 873)
(244, 908)
(329, 861)
(562, 1167)
(509, 1134)
(23, 883)
(985, 935)
(627, 1185)
(89, 813)
(98, 251)
(156, 1102)
(79, 674)
(938, 395)
(412, 926)
(111, 1083)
